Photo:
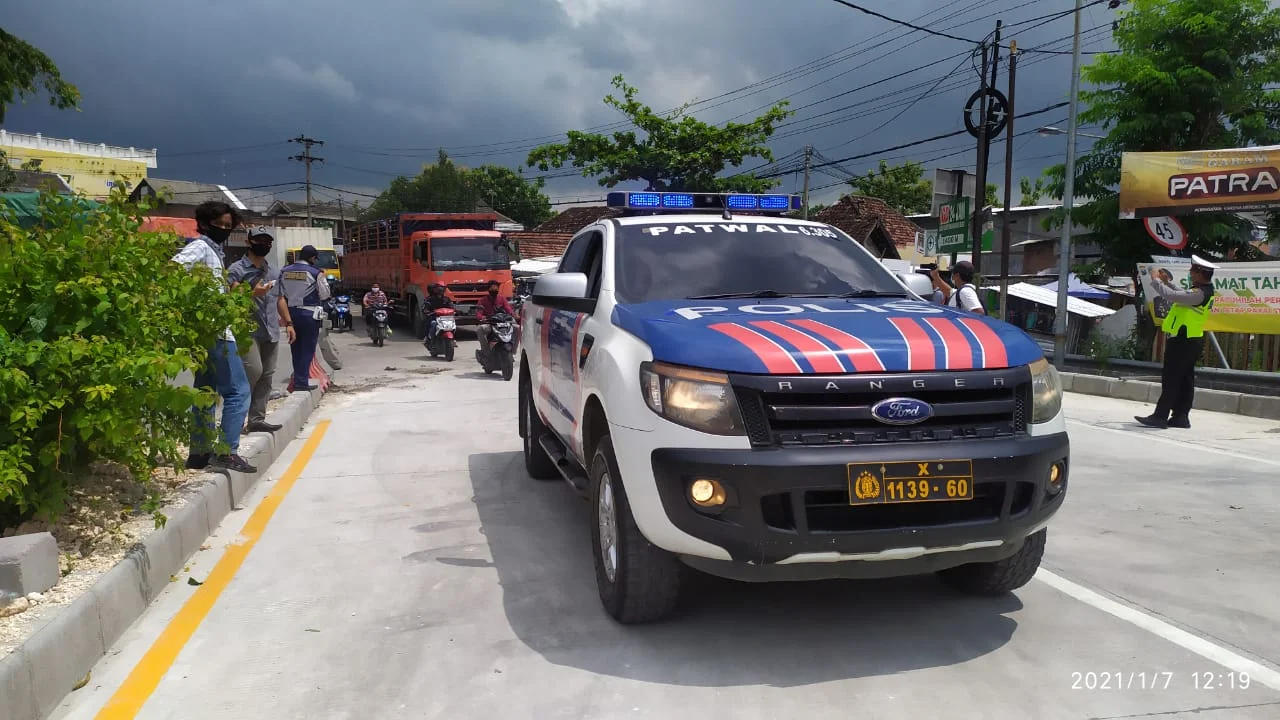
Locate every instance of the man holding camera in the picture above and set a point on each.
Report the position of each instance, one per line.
(964, 294)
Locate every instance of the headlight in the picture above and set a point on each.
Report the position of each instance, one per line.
(694, 398)
(1046, 391)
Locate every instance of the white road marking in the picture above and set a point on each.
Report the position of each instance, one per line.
(1196, 447)
(1205, 649)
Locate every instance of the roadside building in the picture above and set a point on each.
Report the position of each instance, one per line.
(91, 169)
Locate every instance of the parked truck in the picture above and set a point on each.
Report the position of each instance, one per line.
(408, 252)
(290, 241)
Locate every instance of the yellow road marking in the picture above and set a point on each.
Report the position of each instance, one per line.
(142, 682)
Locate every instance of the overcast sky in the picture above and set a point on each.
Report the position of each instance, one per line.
(218, 86)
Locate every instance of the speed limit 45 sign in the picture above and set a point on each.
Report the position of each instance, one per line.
(1167, 231)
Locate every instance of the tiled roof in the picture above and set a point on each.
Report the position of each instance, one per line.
(574, 219)
(36, 181)
(186, 192)
(858, 215)
(534, 244)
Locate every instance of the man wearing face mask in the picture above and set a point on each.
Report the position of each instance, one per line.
(488, 306)
(375, 296)
(255, 270)
(305, 289)
(223, 370)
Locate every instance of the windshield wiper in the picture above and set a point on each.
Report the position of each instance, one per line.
(871, 293)
(755, 294)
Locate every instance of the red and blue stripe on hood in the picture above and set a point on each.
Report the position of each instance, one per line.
(824, 336)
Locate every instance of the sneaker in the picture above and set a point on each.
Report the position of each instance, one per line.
(1152, 421)
(263, 426)
(198, 461)
(234, 462)
(1180, 422)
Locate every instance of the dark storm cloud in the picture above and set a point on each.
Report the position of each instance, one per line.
(386, 82)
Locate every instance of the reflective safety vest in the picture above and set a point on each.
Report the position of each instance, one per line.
(301, 285)
(1189, 317)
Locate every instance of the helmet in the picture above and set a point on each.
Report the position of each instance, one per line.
(436, 287)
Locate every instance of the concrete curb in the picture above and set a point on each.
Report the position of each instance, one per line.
(36, 676)
(1259, 406)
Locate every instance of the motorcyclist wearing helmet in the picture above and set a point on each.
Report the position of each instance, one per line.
(436, 299)
(490, 305)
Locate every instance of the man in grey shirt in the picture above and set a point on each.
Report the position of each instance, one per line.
(260, 362)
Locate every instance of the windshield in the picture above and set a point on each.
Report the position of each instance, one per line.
(670, 262)
(327, 260)
(469, 254)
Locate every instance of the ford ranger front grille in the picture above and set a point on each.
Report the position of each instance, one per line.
(837, 410)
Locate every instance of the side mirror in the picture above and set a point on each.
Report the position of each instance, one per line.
(563, 291)
(918, 284)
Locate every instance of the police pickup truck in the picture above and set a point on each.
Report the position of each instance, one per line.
(759, 398)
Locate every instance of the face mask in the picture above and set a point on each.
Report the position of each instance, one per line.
(260, 249)
(493, 293)
(218, 235)
(377, 290)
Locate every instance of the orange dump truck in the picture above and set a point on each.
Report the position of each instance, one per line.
(408, 252)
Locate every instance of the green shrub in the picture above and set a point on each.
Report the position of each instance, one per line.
(95, 323)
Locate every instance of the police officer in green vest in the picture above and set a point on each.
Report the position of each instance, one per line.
(1184, 326)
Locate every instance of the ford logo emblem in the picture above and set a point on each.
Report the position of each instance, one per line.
(902, 411)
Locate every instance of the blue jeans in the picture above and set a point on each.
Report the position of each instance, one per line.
(223, 372)
(303, 348)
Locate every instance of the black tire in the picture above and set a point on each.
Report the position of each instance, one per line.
(536, 461)
(448, 350)
(1002, 576)
(508, 366)
(416, 320)
(645, 586)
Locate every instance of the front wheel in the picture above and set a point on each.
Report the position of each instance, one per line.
(508, 365)
(1002, 576)
(638, 581)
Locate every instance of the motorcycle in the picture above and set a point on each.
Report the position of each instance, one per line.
(380, 327)
(440, 338)
(500, 351)
(341, 316)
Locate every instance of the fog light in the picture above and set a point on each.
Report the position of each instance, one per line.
(706, 493)
(1055, 478)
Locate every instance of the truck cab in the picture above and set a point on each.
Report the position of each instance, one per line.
(759, 398)
(465, 261)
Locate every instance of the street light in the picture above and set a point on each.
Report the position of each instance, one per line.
(1051, 130)
(1068, 200)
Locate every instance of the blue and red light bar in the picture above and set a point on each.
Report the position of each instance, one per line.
(673, 201)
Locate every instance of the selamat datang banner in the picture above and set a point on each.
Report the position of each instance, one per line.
(1246, 298)
(1155, 184)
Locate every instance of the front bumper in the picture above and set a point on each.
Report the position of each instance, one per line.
(788, 515)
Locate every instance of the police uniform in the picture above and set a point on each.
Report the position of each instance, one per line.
(1184, 344)
(305, 290)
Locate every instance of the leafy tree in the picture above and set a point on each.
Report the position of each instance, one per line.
(1189, 75)
(25, 71)
(992, 197)
(511, 194)
(902, 187)
(95, 323)
(677, 151)
(1032, 192)
(447, 187)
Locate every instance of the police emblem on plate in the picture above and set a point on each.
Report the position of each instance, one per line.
(866, 487)
(901, 411)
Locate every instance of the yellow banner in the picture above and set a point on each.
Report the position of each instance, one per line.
(1246, 295)
(1155, 184)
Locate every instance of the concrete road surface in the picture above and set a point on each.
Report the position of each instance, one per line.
(413, 570)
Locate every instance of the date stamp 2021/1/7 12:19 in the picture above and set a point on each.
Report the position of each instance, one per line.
(1157, 680)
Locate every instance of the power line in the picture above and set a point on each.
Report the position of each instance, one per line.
(903, 23)
(307, 158)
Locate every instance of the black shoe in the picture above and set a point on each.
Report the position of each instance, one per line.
(1152, 421)
(198, 461)
(234, 462)
(1180, 422)
(263, 426)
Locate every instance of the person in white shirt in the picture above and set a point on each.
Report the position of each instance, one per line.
(963, 294)
(223, 370)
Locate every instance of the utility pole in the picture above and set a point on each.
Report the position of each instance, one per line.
(1006, 231)
(342, 220)
(1068, 201)
(307, 158)
(808, 157)
(984, 146)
